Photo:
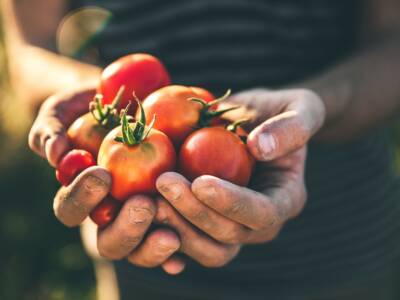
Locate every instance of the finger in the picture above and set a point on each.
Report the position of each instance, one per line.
(176, 189)
(245, 206)
(55, 115)
(157, 247)
(174, 265)
(126, 232)
(73, 203)
(195, 244)
(289, 130)
(55, 147)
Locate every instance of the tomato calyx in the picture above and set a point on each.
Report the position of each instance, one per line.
(206, 114)
(233, 127)
(137, 134)
(106, 115)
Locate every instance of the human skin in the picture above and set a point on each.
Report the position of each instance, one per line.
(338, 105)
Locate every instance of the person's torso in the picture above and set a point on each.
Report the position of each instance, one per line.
(347, 229)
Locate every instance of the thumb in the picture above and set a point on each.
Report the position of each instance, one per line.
(287, 131)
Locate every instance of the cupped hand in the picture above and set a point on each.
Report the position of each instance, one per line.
(128, 236)
(228, 215)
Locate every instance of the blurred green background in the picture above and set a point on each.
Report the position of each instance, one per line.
(39, 258)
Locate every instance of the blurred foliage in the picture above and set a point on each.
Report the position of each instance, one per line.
(40, 259)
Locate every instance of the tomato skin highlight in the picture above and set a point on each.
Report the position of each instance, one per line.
(176, 116)
(134, 169)
(87, 134)
(218, 152)
(105, 212)
(203, 93)
(73, 163)
(139, 73)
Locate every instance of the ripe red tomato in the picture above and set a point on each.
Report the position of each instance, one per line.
(177, 117)
(105, 212)
(88, 131)
(216, 151)
(203, 93)
(73, 163)
(140, 73)
(135, 155)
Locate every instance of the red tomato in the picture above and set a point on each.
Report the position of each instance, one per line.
(203, 94)
(140, 73)
(105, 212)
(88, 131)
(216, 151)
(73, 163)
(176, 116)
(135, 156)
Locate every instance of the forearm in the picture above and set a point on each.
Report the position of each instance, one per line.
(37, 73)
(361, 93)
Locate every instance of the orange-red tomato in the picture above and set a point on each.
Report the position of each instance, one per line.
(86, 133)
(73, 163)
(216, 151)
(140, 73)
(176, 116)
(203, 93)
(105, 212)
(134, 169)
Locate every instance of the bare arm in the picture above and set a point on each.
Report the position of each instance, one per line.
(36, 71)
(364, 91)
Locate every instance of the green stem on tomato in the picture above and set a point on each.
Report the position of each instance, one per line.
(137, 134)
(106, 115)
(206, 114)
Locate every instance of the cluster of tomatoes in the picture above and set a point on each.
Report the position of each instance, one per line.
(166, 128)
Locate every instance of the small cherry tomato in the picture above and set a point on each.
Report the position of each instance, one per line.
(177, 116)
(216, 151)
(73, 163)
(140, 73)
(135, 155)
(105, 212)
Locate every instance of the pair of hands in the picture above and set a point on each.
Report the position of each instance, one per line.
(209, 219)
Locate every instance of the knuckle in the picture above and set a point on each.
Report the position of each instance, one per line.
(232, 235)
(199, 216)
(237, 207)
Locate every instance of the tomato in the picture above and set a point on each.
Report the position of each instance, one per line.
(216, 151)
(203, 94)
(176, 116)
(135, 155)
(88, 131)
(73, 163)
(140, 73)
(105, 212)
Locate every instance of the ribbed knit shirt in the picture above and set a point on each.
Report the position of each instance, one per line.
(348, 232)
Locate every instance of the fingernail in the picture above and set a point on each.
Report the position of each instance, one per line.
(207, 194)
(172, 191)
(266, 145)
(139, 215)
(95, 184)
